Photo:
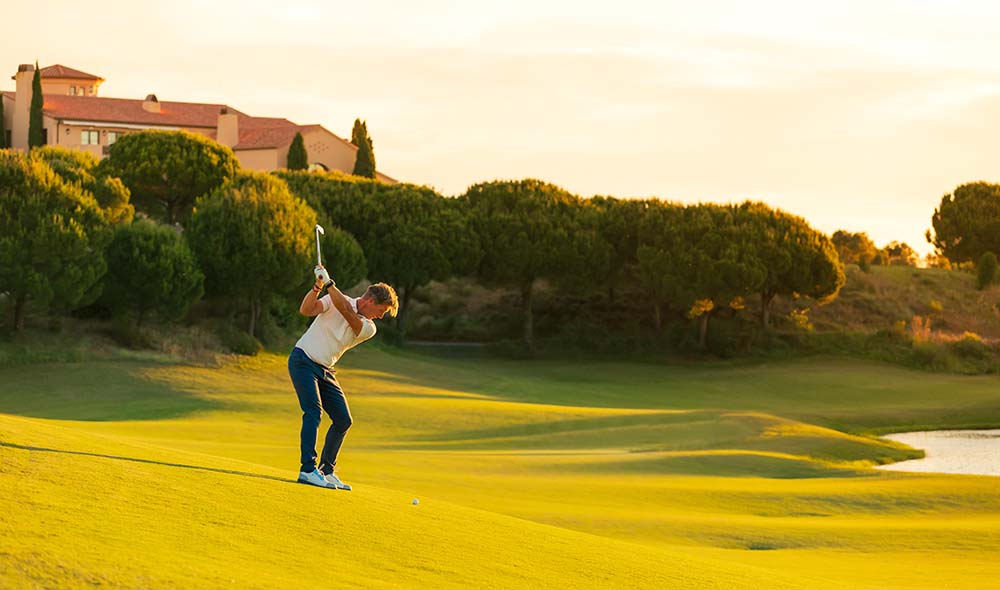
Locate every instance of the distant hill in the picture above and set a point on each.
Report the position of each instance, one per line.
(879, 299)
(931, 318)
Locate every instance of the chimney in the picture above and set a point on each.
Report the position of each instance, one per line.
(22, 106)
(228, 129)
(151, 104)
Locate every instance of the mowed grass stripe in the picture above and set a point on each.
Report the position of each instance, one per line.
(728, 460)
(93, 512)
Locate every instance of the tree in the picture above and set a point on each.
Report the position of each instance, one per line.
(657, 255)
(343, 257)
(899, 254)
(364, 164)
(3, 127)
(967, 223)
(419, 237)
(531, 230)
(253, 240)
(80, 167)
(410, 234)
(35, 138)
(150, 269)
(986, 270)
(700, 259)
(855, 248)
(298, 159)
(52, 237)
(618, 223)
(797, 259)
(167, 170)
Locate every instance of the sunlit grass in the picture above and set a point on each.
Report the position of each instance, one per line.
(654, 476)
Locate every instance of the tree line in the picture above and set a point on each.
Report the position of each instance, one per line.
(169, 217)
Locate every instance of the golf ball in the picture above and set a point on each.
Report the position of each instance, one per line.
(415, 502)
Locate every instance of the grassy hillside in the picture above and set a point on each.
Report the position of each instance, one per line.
(135, 473)
(888, 294)
(927, 318)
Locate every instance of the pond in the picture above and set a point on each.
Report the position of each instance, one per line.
(973, 452)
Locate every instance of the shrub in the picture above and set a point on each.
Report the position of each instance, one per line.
(971, 347)
(150, 270)
(920, 328)
(933, 356)
(254, 241)
(237, 341)
(986, 270)
(52, 237)
(165, 171)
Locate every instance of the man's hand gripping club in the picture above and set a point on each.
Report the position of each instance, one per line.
(323, 277)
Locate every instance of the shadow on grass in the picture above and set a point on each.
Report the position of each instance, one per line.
(611, 428)
(146, 461)
(98, 392)
(718, 464)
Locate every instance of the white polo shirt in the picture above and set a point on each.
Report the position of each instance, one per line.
(330, 336)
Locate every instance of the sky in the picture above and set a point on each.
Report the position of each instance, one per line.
(854, 115)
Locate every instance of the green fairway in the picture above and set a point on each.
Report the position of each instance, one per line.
(129, 473)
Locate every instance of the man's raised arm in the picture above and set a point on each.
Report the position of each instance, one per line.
(344, 307)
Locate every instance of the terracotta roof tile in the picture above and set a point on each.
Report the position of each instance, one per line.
(265, 137)
(255, 132)
(61, 71)
(125, 110)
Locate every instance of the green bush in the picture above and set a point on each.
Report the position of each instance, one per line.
(343, 257)
(237, 341)
(986, 270)
(52, 237)
(254, 241)
(151, 270)
(934, 356)
(971, 347)
(129, 334)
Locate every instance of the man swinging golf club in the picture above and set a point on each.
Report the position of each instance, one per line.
(341, 323)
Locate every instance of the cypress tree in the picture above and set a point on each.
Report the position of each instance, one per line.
(3, 130)
(298, 159)
(35, 115)
(364, 165)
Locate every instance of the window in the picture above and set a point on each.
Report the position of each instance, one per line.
(72, 90)
(113, 137)
(89, 137)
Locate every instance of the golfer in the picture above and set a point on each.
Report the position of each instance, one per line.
(341, 323)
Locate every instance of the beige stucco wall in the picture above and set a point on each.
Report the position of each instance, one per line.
(19, 124)
(62, 86)
(264, 160)
(324, 148)
(69, 136)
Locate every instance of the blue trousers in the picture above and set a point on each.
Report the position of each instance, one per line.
(318, 391)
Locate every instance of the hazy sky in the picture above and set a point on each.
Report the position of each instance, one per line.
(856, 115)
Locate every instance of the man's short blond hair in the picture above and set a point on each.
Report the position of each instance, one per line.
(381, 294)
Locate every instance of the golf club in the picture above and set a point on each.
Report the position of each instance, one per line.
(321, 273)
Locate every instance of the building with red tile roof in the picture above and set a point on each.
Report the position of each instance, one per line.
(75, 116)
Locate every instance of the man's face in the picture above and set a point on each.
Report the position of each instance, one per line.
(371, 310)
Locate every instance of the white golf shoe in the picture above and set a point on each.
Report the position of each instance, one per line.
(314, 478)
(335, 482)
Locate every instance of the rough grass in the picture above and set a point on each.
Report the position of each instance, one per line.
(888, 294)
(530, 474)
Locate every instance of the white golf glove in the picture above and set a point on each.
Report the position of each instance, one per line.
(323, 276)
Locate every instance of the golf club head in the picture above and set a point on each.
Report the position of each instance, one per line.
(319, 232)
